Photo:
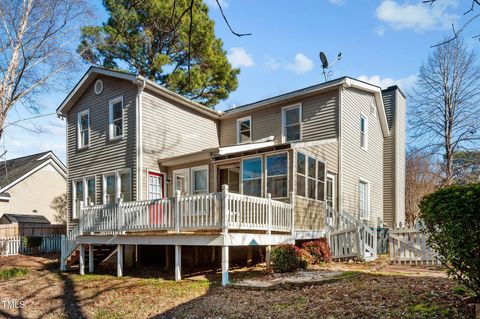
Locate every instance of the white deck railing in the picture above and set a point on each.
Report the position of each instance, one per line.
(221, 210)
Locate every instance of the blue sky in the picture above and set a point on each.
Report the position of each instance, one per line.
(383, 42)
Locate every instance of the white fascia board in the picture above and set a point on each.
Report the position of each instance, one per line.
(54, 157)
(377, 92)
(243, 147)
(31, 172)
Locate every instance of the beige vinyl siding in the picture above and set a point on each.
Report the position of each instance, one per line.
(103, 155)
(309, 213)
(357, 163)
(36, 192)
(400, 154)
(394, 158)
(170, 129)
(319, 114)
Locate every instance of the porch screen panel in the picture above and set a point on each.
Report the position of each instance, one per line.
(252, 176)
(277, 175)
(301, 167)
(311, 177)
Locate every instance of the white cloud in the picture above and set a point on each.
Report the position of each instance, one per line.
(213, 3)
(419, 16)
(380, 31)
(405, 84)
(301, 64)
(272, 63)
(239, 57)
(337, 2)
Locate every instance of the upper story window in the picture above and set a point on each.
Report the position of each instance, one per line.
(83, 129)
(292, 123)
(244, 130)
(116, 118)
(277, 175)
(363, 132)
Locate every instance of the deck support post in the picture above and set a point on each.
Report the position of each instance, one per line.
(136, 254)
(268, 257)
(119, 260)
(249, 255)
(225, 265)
(178, 262)
(213, 253)
(81, 260)
(90, 258)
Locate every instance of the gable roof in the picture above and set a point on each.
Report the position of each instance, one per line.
(93, 72)
(143, 82)
(15, 170)
(21, 218)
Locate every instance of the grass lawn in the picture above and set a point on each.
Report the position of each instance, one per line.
(367, 291)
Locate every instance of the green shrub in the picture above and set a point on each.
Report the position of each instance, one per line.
(12, 272)
(319, 250)
(32, 242)
(451, 218)
(287, 258)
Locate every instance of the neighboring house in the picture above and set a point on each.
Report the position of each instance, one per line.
(329, 149)
(29, 184)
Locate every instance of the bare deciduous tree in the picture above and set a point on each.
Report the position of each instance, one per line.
(421, 180)
(36, 48)
(446, 103)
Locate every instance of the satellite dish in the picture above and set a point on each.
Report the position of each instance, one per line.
(324, 60)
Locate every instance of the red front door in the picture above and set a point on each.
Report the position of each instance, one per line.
(156, 190)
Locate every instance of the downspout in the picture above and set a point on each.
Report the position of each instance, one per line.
(139, 137)
(340, 151)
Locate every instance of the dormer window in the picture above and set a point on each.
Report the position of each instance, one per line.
(83, 129)
(292, 123)
(244, 130)
(116, 118)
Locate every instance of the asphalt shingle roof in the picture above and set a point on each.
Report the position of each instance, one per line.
(13, 169)
(31, 219)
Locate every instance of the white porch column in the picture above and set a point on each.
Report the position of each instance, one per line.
(81, 260)
(119, 260)
(90, 258)
(178, 262)
(268, 257)
(224, 265)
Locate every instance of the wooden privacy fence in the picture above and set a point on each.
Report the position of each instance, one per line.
(409, 246)
(15, 245)
(14, 229)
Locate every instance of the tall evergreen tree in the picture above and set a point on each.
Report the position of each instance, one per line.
(171, 42)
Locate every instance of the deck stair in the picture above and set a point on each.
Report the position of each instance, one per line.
(100, 254)
(349, 236)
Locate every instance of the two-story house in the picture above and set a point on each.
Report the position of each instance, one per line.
(150, 167)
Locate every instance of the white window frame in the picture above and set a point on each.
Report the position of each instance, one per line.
(239, 135)
(300, 117)
(83, 180)
(117, 184)
(365, 118)
(262, 182)
(192, 178)
(164, 184)
(111, 128)
(266, 172)
(85, 188)
(79, 130)
(307, 178)
(367, 215)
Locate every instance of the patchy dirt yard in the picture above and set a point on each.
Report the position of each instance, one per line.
(375, 290)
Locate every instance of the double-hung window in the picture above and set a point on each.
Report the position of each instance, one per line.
(117, 185)
(83, 192)
(116, 118)
(277, 175)
(363, 199)
(363, 132)
(83, 129)
(292, 123)
(244, 130)
(252, 176)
